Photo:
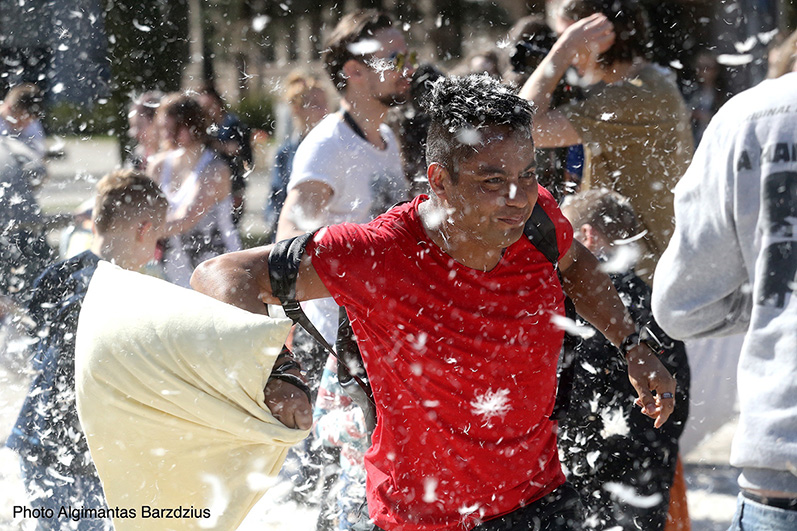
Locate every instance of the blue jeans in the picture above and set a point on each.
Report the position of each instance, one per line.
(54, 492)
(754, 516)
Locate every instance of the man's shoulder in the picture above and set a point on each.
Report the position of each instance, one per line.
(326, 131)
(653, 89)
(768, 99)
(400, 221)
(324, 143)
(61, 285)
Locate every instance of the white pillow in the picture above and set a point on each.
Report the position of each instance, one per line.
(170, 394)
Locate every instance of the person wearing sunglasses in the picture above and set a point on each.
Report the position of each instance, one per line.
(348, 167)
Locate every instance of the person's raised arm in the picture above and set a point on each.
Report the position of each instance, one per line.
(242, 279)
(304, 209)
(584, 39)
(598, 302)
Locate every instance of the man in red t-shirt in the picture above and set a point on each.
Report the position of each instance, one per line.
(455, 313)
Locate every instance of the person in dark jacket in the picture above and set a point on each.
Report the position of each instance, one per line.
(24, 251)
(129, 213)
(621, 465)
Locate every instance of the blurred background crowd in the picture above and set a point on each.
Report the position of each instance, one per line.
(213, 99)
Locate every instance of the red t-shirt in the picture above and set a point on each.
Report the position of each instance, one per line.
(463, 368)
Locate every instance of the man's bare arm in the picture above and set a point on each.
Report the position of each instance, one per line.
(597, 301)
(587, 37)
(242, 279)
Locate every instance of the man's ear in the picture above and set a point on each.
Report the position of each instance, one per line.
(439, 179)
(589, 236)
(352, 69)
(143, 229)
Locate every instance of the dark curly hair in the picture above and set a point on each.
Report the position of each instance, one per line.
(188, 113)
(460, 108)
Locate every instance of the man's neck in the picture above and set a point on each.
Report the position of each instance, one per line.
(368, 114)
(455, 244)
(112, 250)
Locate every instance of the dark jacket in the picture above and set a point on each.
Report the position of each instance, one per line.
(593, 452)
(48, 427)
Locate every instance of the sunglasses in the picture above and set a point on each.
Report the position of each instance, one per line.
(403, 60)
(397, 61)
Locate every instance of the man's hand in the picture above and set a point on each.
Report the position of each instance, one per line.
(289, 404)
(588, 37)
(647, 374)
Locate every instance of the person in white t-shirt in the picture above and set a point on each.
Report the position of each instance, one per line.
(348, 168)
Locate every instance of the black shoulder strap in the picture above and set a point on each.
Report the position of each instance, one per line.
(283, 267)
(283, 263)
(541, 232)
(350, 365)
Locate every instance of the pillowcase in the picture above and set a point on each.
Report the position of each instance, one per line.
(170, 393)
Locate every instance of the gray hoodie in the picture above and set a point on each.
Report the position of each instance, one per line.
(731, 264)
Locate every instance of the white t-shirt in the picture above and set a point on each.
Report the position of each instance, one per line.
(213, 234)
(365, 182)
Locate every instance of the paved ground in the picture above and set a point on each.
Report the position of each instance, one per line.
(711, 481)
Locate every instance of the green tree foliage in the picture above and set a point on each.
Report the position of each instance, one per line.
(147, 49)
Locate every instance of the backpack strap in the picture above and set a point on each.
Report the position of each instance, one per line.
(350, 364)
(283, 267)
(541, 232)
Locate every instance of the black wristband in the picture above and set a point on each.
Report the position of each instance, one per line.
(647, 337)
(285, 362)
(286, 366)
(628, 343)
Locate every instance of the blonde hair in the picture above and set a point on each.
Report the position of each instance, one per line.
(298, 87)
(125, 196)
(608, 212)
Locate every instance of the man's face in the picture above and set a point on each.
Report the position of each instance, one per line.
(387, 84)
(495, 191)
(141, 128)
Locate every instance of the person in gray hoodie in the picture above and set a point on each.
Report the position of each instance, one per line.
(730, 267)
